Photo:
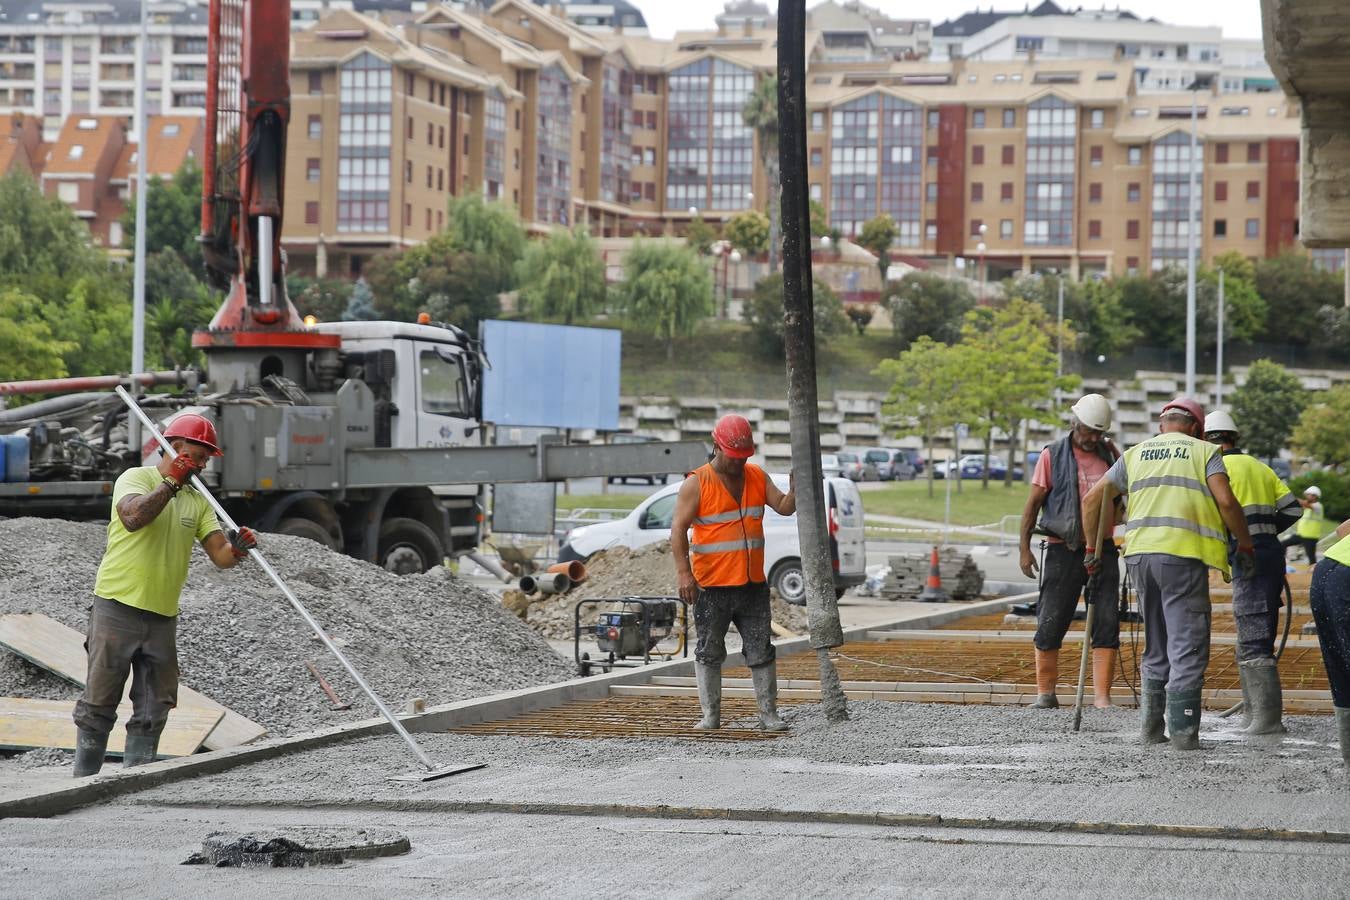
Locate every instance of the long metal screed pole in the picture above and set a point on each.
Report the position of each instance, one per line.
(257, 557)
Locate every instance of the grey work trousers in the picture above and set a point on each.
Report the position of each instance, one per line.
(1173, 596)
(1062, 583)
(746, 606)
(1257, 600)
(124, 639)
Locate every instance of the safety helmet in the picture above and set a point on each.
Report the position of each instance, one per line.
(195, 428)
(1190, 408)
(1220, 421)
(1093, 411)
(1313, 491)
(732, 434)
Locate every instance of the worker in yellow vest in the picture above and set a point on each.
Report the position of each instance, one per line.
(1329, 596)
(1308, 531)
(1179, 503)
(721, 572)
(1269, 508)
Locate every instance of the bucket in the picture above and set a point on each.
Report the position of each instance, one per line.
(15, 457)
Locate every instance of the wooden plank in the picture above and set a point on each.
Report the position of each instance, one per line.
(26, 724)
(59, 649)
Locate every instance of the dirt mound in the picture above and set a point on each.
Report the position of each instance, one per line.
(241, 644)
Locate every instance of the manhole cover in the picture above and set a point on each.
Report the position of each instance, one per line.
(298, 846)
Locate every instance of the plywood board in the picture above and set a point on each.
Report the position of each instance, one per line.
(47, 643)
(26, 724)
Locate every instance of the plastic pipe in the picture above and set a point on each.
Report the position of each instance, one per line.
(575, 570)
(555, 583)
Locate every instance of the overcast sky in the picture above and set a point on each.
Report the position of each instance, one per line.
(1239, 18)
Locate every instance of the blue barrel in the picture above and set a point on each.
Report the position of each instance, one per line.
(3, 448)
(15, 457)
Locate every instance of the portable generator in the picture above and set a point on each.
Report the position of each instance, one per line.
(629, 628)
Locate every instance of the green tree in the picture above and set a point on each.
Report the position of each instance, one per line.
(1093, 310)
(493, 234)
(40, 236)
(28, 348)
(323, 298)
(764, 312)
(562, 277)
(1323, 430)
(1296, 289)
(1245, 311)
(176, 305)
(927, 304)
(929, 392)
(360, 304)
(437, 277)
(820, 220)
(1267, 406)
(878, 234)
(173, 216)
(667, 290)
(860, 316)
(748, 232)
(760, 113)
(700, 235)
(95, 312)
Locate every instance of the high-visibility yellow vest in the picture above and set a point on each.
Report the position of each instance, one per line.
(1310, 525)
(1340, 551)
(1171, 509)
(1258, 489)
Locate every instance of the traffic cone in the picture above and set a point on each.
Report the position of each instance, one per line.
(932, 591)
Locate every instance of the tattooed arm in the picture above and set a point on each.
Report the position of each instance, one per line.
(139, 510)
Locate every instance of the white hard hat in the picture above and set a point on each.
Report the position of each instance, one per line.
(1093, 411)
(1219, 420)
(1313, 491)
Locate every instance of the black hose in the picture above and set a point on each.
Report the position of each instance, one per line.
(1134, 639)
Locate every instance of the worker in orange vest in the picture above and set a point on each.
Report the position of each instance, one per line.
(721, 572)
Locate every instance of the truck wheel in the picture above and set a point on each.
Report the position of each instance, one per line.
(408, 547)
(308, 528)
(788, 579)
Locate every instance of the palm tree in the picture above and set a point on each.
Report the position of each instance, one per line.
(760, 112)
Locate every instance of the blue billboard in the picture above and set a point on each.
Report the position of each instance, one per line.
(551, 376)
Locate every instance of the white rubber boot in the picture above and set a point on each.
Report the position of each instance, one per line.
(709, 695)
(765, 679)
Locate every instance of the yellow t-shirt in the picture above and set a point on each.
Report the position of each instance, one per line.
(147, 568)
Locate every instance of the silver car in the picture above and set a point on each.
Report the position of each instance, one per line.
(830, 465)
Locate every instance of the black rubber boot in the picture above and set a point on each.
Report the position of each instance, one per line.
(1343, 726)
(1265, 698)
(90, 748)
(1183, 719)
(765, 679)
(709, 695)
(1151, 705)
(140, 749)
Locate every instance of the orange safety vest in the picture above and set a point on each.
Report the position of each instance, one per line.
(728, 545)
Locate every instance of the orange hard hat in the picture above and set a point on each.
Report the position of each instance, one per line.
(195, 428)
(732, 434)
(1190, 407)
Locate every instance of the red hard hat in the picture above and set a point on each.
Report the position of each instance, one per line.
(195, 428)
(1190, 407)
(732, 434)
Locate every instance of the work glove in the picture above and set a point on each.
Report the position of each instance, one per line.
(1245, 561)
(1091, 561)
(181, 470)
(242, 541)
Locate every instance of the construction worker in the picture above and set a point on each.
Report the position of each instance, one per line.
(1179, 503)
(1308, 531)
(1065, 471)
(1329, 595)
(1269, 508)
(133, 622)
(722, 571)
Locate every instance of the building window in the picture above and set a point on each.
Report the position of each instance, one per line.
(407, 215)
(1095, 155)
(934, 119)
(1220, 191)
(1254, 152)
(816, 157)
(553, 166)
(1131, 265)
(1171, 226)
(1220, 228)
(616, 111)
(312, 169)
(1254, 227)
(1254, 189)
(1132, 230)
(975, 227)
(316, 82)
(311, 213)
(930, 192)
(1009, 118)
(440, 179)
(876, 142)
(440, 137)
(977, 192)
(428, 220)
(494, 142)
(68, 192)
(649, 191)
(1052, 125)
(651, 120)
(430, 175)
(817, 121)
(431, 134)
(1221, 153)
(364, 131)
(315, 128)
(816, 191)
(1005, 192)
(1132, 192)
(1094, 229)
(1027, 44)
(1008, 154)
(1134, 156)
(1095, 192)
(930, 230)
(977, 119)
(1005, 229)
(1097, 118)
(977, 155)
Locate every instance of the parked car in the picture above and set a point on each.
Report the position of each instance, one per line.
(855, 468)
(972, 467)
(625, 438)
(650, 523)
(830, 466)
(915, 459)
(891, 463)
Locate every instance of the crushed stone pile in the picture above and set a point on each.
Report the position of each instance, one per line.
(623, 572)
(909, 573)
(240, 643)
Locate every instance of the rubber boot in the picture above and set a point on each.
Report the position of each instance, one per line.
(1047, 673)
(1103, 675)
(1343, 726)
(709, 695)
(1244, 677)
(1151, 705)
(1183, 719)
(1265, 696)
(90, 748)
(765, 679)
(140, 749)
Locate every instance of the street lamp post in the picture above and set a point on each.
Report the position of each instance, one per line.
(1190, 249)
(729, 255)
(981, 247)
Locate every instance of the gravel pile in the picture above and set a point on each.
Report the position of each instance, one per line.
(241, 644)
(621, 572)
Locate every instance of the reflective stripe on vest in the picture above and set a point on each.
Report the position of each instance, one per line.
(1171, 509)
(727, 545)
(1310, 524)
(1257, 488)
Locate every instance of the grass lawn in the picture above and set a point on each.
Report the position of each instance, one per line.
(601, 501)
(973, 506)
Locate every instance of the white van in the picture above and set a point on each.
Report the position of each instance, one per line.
(650, 523)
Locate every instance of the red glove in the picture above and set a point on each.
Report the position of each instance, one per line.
(182, 469)
(242, 541)
(1091, 561)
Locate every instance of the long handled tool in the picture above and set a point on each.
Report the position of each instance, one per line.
(432, 771)
(1089, 596)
